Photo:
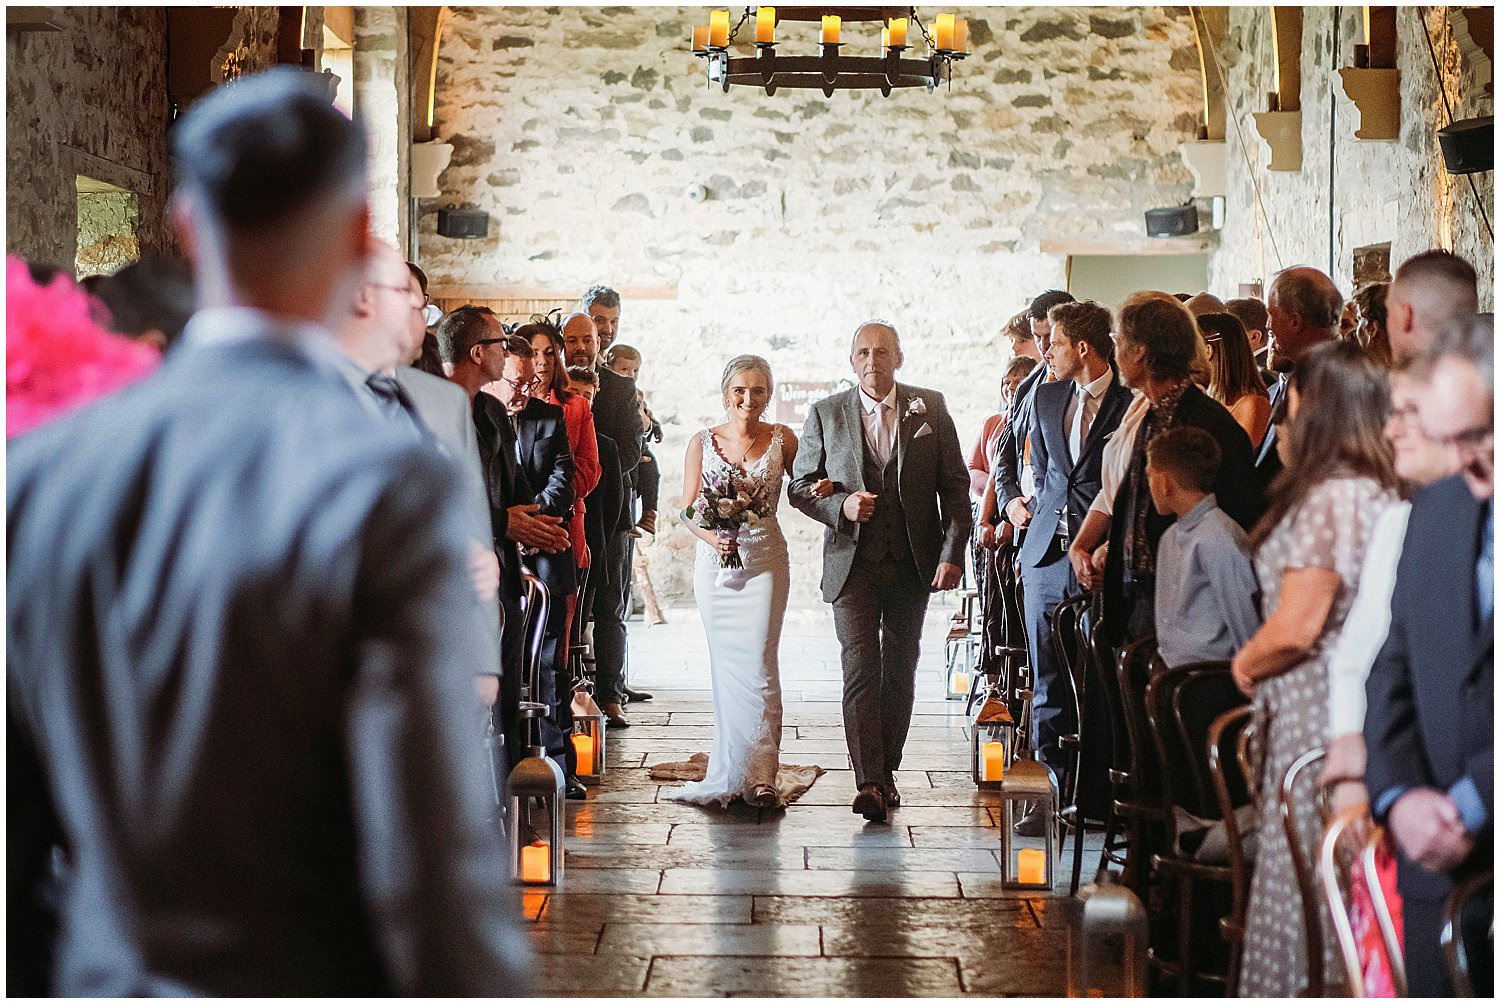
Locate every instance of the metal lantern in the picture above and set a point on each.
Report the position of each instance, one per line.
(992, 743)
(959, 680)
(536, 834)
(1028, 782)
(588, 738)
(1109, 957)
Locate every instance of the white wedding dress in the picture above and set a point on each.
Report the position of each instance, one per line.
(742, 610)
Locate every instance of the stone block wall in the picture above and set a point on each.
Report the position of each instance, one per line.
(581, 131)
(1395, 191)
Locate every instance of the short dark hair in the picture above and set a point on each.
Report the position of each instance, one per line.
(1439, 264)
(1189, 454)
(464, 328)
(1085, 321)
(153, 294)
(256, 151)
(586, 375)
(620, 351)
(602, 295)
(519, 346)
(1167, 332)
(416, 270)
(1020, 366)
(1045, 301)
(1250, 312)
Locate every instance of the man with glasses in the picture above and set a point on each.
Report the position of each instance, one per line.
(1429, 724)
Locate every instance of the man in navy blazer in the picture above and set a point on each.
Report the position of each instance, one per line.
(1429, 722)
(1013, 474)
(1071, 419)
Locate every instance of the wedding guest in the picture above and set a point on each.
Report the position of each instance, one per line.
(1156, 346)
(1235, 382)
(982, 454)
(1308, 548)
(1430, 293)
(1371, 332)
(1253, 317)
(247, 519)
(1348, 321)
(625, 360)
(428, 357)
(1204, 303)
(545, 465)
(1304, 307)
(1429, 725)
(1022, 341)
(1206, 593)
(149, 300)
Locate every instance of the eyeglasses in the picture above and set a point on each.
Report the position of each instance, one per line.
(491, 341)
(416, 299)
(522, 386)
(1470, 440)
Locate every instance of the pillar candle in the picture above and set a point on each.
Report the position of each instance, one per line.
(943, 34)
(765, 24)
(718, 28)
(992, 762)
(700, 37)
(536, 861)
(831, 24)
(583, 745)
(898, 31)
(960, 683)
(1031, 866)
(961, 35)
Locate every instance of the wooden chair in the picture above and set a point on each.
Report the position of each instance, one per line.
(1067, 641)
(1334, 863)
(1302, 868)
(1104, 680)
(1228, 738)
(1455, 951)
(1144, 809)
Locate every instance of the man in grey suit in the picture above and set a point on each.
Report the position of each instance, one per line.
(880, 467)
(241, 626)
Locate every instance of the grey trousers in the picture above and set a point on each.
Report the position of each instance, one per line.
(878, 618)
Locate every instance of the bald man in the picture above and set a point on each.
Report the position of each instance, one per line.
(1304, 307)
(1431, 293)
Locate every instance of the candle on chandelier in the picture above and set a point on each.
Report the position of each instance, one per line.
(765, 24)
(898, 31)
(992, 759)
(583, 746)
(831, 23)
(944, 33)
(536, 862)
(961, 35)
(1031, 866)
(718, 28)
(700, 38)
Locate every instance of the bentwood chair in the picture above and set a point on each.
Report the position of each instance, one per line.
(1384, 918)
(1334, 867)
(535, 602)
(1297, 777)
(1068, 644)
(1104, 681)
(1456, 954)
(1228, 739)
(1144, 809)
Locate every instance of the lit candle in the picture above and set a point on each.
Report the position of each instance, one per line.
(1031, 866)
(718, 28)
(536, 862)
(700, 38)
(1367, 24)
(898, 31)
(961, 35)
(960, 683)
(944, 39)
(831, 24)
(584, 746)
(992, 761)
(765, 24)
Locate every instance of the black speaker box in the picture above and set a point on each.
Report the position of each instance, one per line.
(1175, 221)
(463, 223)
(1468, 145)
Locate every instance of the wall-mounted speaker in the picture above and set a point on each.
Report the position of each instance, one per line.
(463, 223)
(1174, 221)
(1468, 145)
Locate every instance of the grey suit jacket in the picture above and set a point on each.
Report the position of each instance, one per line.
(241, 637)
(933, 480)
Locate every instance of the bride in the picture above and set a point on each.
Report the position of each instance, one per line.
(742, 608)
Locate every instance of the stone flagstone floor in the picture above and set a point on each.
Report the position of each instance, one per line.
(661, 899)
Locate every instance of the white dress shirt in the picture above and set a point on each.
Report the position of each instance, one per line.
(880, 424)
(1078, 420)
(1115, 462)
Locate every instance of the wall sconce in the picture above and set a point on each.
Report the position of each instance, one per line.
(428, 160)
(1281, 124)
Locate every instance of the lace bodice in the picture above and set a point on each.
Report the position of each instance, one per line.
(761, 544)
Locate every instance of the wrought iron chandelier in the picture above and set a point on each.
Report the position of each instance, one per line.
(833, 70)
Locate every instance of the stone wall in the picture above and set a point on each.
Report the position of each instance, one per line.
(1394, 191)
(581, 130)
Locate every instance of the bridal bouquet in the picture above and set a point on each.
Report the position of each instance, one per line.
(726, 505)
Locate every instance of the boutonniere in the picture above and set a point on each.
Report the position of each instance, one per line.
(916, 406)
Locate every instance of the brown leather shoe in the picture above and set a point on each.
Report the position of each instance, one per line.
(614, 716)
(870, 803)
(892, 796)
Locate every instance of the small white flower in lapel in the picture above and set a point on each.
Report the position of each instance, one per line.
(916, 406)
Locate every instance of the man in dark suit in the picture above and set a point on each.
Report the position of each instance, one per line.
(545, 463)
(1155, 349)
(1071, 419)
(1304, 307)
(1014, 476)
(617, 415)
(1253, 317)
(1429, 721)
(897, 525)
(241, 629)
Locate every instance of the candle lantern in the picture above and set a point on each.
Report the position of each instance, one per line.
(992, 743)
(958, 681)
(536, 821)
(589, 737)
(1027, 783)
(1109, 956)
